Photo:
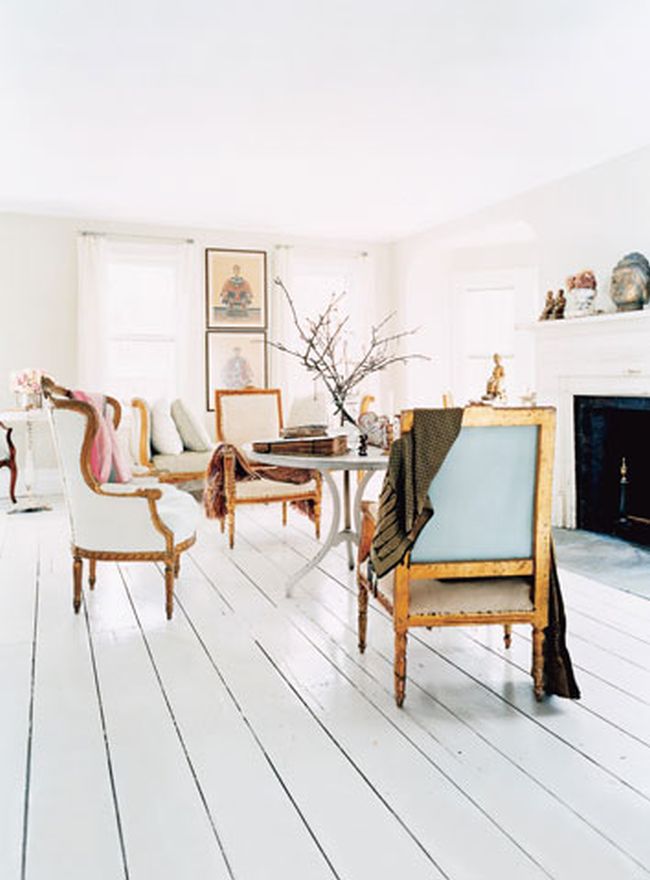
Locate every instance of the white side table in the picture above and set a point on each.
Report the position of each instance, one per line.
(28, 504)
(376, 460)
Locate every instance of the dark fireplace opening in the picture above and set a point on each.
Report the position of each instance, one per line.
(612, 445)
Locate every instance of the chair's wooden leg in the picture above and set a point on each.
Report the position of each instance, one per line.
(77, 574)
(317, 514)
(92, 573)
(400, 666)
(284, 513)
(507, 634)
(177, 566)
(222, 525)
(169, 588)
(362, 599)
(538, 662)
(231, 525)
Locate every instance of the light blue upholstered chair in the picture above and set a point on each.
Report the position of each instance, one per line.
(484, 557)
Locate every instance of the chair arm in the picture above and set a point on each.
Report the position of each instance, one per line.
(120, 521)
(369, 517)
(152, 494)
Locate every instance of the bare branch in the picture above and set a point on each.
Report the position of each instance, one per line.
(325, 352)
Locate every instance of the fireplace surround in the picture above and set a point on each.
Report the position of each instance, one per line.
(604, 356)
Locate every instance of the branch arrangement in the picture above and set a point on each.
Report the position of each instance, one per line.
(324, 350)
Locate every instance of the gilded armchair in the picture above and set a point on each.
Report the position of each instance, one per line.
(256, 414)
(114, 521)
(484, 557)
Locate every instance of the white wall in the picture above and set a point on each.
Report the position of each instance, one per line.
(38, 294)
(588, 220)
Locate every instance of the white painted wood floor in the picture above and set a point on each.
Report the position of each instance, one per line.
(248, 739)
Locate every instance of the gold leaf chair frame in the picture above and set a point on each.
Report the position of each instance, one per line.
(534, 567)
(60, 398)
(264, 496)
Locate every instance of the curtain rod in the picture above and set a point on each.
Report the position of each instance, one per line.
(175, 239)
(324, 248)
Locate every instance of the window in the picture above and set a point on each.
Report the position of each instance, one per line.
(134, 296)
(312, 277)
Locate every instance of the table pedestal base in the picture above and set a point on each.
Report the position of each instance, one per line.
(29, 505)
(336, 535)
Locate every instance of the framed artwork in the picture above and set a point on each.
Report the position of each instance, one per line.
(234, 360)
(235, 289)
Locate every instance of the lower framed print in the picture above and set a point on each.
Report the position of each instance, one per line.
(233, 360)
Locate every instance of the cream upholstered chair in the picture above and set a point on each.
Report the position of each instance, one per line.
(484, 557)
(256, 414)
(115, 521)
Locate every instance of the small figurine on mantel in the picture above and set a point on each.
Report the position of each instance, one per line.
(495, 389)
(549, 306)
(560, 306)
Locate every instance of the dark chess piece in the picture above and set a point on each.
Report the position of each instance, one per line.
(559, 307)
(362, 449)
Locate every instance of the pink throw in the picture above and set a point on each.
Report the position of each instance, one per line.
(107, 460)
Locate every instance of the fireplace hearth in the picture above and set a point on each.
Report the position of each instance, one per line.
(612, 453)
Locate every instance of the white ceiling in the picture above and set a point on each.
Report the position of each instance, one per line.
(347, 118)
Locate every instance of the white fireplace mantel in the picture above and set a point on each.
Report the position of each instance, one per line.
(602, 355)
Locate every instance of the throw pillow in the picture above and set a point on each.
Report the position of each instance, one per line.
(165, 438)
(193, 433)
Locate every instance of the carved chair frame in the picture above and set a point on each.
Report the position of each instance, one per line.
(232, 501)
(537, 566)
(144, 450)
(61, 398)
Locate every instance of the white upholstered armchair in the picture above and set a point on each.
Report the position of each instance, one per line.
(115, 521)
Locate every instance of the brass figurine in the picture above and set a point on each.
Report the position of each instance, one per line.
(549, 307)
(494, 389)
(560, 306)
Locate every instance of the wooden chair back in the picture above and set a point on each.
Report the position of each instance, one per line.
(492, 499)
(247, 414)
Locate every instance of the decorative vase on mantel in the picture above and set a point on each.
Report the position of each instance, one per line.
(630, 284)
(580, 302)
(581, 293)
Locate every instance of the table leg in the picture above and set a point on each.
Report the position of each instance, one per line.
(347, 519)
(330, 540)
(335, 536)
(30, 504)
(28, 470)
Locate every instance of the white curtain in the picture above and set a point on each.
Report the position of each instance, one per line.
(280, 324)
(189, 309)
(91, 312)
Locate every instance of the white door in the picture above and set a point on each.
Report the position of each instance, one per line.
(491, 315)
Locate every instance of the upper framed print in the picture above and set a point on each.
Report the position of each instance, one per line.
(235, 289)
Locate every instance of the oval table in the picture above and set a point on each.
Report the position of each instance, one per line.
(328, 465)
